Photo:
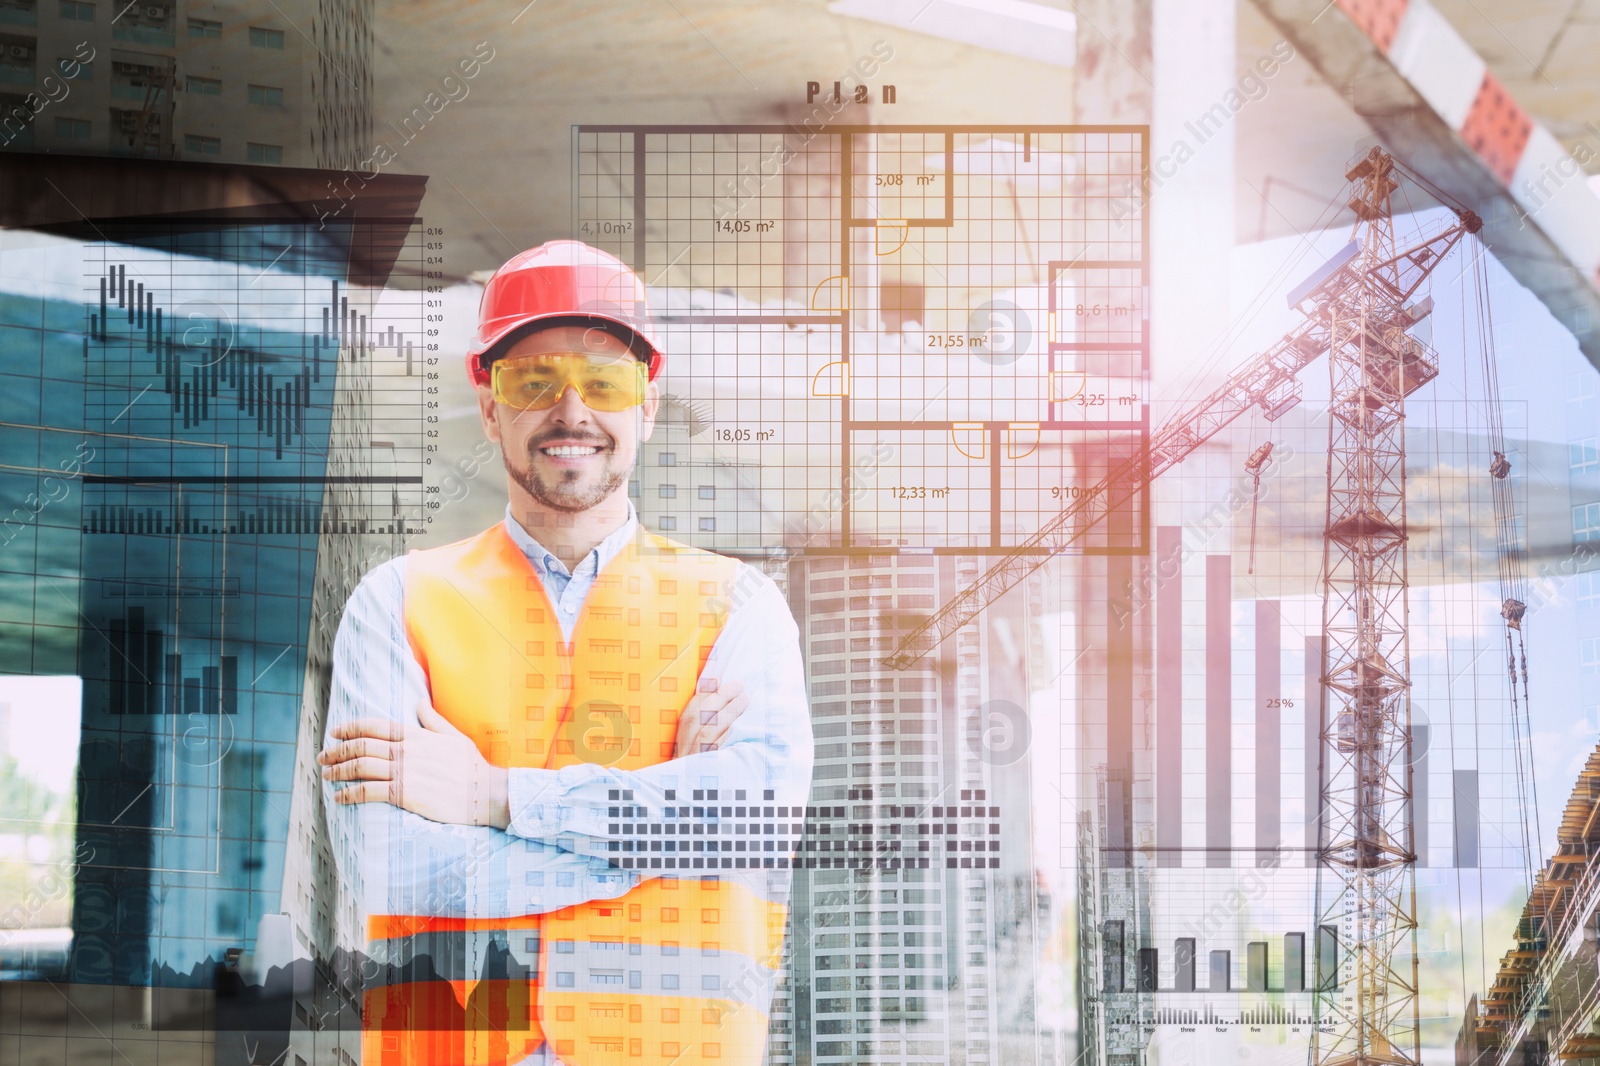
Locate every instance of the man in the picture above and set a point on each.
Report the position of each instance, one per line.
(551, 734)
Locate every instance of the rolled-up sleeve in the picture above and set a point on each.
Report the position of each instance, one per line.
(396, 862)
(766, 755)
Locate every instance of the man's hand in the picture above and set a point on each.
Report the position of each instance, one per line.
(706, 720)
(428, 767)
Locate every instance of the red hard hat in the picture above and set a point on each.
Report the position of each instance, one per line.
(563, 280)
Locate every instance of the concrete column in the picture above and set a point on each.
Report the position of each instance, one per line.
(1191, 183)
(1112, 76)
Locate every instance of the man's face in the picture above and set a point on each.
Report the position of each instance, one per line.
(569, 457)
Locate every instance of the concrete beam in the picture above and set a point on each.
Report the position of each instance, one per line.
(74, 196)
(1432, 99)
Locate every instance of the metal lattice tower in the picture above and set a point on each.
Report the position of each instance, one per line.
(1367, 875)
(1358, 308)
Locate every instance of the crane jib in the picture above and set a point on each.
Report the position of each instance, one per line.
(1258, 383)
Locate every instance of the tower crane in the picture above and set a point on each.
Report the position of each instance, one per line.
(1359, 308)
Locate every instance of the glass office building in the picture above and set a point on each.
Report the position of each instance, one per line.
(190, 478)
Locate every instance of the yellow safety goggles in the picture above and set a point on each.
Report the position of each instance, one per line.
(537, 382)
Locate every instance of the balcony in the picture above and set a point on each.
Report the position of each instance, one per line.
(136, 92)
(149, 35)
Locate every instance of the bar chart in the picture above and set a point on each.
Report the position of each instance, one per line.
(1242, 677)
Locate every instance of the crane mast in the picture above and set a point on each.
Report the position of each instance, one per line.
(1368, 860)
(1358, 308)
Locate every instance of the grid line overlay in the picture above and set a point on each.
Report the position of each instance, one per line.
(956, 318)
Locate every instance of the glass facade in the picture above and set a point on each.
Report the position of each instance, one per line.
(186, 422)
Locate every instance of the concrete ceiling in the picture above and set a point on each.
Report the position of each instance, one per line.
(1293, 144)
(499, 160)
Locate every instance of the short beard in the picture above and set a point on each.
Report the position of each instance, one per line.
(556, 497)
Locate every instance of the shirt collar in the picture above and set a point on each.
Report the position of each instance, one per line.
(601, 556)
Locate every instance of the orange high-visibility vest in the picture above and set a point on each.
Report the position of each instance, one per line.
(675, 970)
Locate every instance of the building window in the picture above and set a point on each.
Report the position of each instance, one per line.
(135, 81)
(668, 522)
(202, 145)
(265, 38)
(668, 459)
(16, 60)
(1583, 456)
(263, 153)
(1586, 522)
(667, 492)
(1589, 589)
(203, 86)
(76, 129)
(73, 70)
(77, 11)
(206, 28)
(708, 525)
(1589, 655)
(144, 23)
(266, 95)
(708, 492)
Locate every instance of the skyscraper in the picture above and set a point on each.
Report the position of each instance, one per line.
(915, 880)
(916, 876)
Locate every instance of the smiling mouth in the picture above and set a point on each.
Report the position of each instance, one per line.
(570, 451)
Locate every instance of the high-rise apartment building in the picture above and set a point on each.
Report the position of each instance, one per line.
(686, 490)
(914, 891)
(226, 82)
(916, 875)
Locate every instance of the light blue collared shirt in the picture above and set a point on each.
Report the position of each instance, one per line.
(568, 590)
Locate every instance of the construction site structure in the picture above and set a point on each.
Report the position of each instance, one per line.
(1367, 890)
(1359, 307)
(1544, 1003)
